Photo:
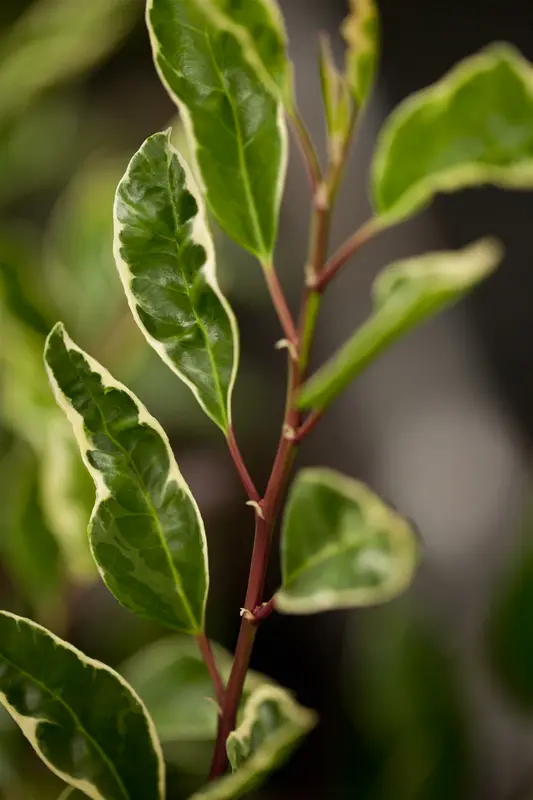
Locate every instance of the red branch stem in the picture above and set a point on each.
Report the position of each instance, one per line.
(211, 664)
(242, 470)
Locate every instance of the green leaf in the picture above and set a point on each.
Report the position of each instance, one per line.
(62, 37)
(405, 294)
(272, 725)
(146, 532)
(171, 677)
(81, 717)
(67, 496)
(361, 33)
(335, 93)
(29, 549)
(470, 128)
(411, 718)
(79, 251)
(510, 626)
(166, 260)
(341, 546)
(235, 125)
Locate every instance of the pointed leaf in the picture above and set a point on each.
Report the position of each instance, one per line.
(337, 105)
(341, 546)
(470, 128)
(172, 679)
(361, 33)
(405, 294)
(235, 125)
(146, 532)
(272, 725)
(81, 717)
(166, 261)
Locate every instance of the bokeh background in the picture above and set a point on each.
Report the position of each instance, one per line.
(428, 698)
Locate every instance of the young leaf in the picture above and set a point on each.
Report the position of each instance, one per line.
(166, 261)
(171, 677)
(470, 128)
(341, 546)
(272, 725)
(361, 33)
(81, 717)
(146, 532)
(405, 294)
(336, 96)
(235, 124)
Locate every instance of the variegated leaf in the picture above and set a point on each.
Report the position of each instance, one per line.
(81, 718)
(272, 725)
(406, 294)
(341, 546)
(361, 33)
(146, 532)
(166, 261)
(235, 124)
(470, 128)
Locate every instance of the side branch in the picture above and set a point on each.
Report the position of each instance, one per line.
(211, 664)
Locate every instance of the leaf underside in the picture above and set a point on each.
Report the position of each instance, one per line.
(81, 718)
(166, 261)
(146, 533)
(341, 546)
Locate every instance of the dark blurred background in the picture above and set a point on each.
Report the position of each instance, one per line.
(428, 698)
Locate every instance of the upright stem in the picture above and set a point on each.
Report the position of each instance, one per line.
(293, 431)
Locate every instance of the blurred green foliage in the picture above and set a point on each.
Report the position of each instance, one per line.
(407, 734)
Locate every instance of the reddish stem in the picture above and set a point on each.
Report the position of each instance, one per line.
(209, 659)
(263, 611)
(238, 460)
(343, 254)
(308, 425)
(280, 304)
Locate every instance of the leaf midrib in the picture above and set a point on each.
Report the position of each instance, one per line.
(199, 321)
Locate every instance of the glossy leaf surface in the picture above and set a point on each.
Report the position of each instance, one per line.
(470, 128)
(341, 546)
(81, 718)
(361, 33)
(405, 294)
(173, 681)
(166, 260)
(259, 26)
(234, 123)
(146, 532)
(272, 725)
